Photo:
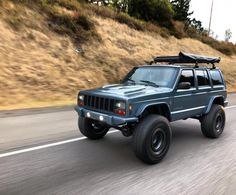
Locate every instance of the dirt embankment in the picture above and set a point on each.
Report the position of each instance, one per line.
(39, 67)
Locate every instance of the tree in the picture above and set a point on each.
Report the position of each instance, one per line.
(121, 5)
(197, 25)
(228, 35)
(159, 11)
(181, 8)
(100, 2)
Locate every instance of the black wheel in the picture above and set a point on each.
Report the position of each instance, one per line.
(92, 129)
(151, 139)
(213, 123)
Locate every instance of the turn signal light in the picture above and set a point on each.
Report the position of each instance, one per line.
(81, 103)
(120, 112)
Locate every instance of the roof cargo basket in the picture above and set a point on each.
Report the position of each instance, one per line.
(185, 58)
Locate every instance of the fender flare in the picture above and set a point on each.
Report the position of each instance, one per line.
(143, 107)
(211, 103)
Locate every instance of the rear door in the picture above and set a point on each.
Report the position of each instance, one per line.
(204, 87)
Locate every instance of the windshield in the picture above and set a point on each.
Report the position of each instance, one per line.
(155, 76)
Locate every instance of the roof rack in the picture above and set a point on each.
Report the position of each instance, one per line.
(185, 58)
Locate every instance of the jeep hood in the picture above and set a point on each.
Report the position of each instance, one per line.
(121, 90)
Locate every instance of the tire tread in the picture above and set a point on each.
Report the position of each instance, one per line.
(140, 135)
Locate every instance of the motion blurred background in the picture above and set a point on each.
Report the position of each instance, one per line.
(51, 49)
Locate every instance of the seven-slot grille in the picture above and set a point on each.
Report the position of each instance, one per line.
(99, 103)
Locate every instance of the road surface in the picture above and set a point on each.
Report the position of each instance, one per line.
(42, 152)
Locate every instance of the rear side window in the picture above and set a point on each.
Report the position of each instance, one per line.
(216, 77)
(202, 78)
(187, 76)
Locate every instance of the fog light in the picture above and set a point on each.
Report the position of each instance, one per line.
(88, 115)
(101, 118)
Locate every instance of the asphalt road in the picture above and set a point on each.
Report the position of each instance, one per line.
(42, 152)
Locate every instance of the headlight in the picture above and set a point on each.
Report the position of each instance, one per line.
(120, 108)
(81, 97)
(120, 105)
(81, 100)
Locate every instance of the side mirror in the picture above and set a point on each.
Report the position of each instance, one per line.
(184, 85)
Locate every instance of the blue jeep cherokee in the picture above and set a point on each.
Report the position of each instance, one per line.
(152, 96)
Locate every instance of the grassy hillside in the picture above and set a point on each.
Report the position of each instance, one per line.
(39, 65)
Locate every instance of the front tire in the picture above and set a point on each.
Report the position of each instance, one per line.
(92, 129)
(213, 123)
(151, 139)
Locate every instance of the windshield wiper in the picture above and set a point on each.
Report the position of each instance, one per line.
(133, 81)
(149, 83)
(129, 79)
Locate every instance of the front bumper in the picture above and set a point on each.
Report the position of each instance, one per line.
(108, 119)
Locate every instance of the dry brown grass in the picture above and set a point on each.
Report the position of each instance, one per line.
(123, 18)
(41, 68)
(140, 46)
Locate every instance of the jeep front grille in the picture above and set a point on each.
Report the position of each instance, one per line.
(99, 103)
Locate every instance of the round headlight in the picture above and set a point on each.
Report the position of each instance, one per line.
(81, 97)
(120, 105)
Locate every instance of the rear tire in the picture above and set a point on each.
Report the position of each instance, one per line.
(151, 139)
(92, 129)
(213, 123)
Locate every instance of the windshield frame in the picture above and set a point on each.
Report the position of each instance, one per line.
(172, 81)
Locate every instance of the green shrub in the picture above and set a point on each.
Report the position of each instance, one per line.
(178, 30)
(193, 33)
(158, 11)
(68, 4)
(224, 47)
(105, 12)
(164, 32)
(78, 26)
(123, 18)
(131, 22)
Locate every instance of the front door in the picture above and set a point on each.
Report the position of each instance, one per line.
(185, 101)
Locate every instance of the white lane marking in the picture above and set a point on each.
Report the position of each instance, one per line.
(58, 143)
(229, 107)
(46, 146)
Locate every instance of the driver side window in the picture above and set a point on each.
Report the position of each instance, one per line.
(187, 76)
